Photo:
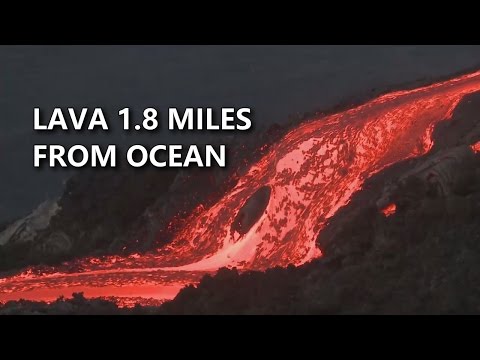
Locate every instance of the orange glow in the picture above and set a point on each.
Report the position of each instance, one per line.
(389, 210)
(306, 177)
(476, 147)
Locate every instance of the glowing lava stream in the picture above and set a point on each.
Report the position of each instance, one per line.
(312, 172)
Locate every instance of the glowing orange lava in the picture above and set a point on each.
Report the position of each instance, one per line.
(275, 212)
(389, 210)
(476, 147)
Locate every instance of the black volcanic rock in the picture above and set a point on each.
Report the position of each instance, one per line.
(96, 212)
(77, 305)
(252, 210)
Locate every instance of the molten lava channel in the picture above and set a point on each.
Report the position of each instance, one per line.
(275, 212)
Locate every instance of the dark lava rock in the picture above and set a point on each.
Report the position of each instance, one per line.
(251, 212)
(96, 212)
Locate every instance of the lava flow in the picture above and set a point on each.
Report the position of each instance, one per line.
(275, 212)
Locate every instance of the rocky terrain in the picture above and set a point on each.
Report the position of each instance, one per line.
(422, 259)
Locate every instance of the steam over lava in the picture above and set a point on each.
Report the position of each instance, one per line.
(275, 212)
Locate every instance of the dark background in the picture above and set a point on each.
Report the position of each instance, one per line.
(276, 81)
